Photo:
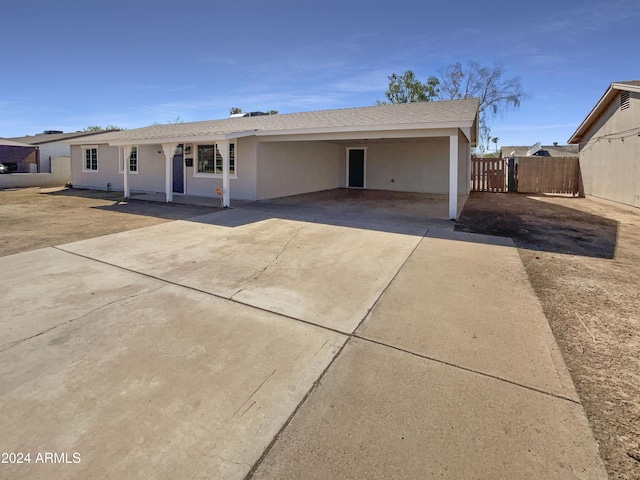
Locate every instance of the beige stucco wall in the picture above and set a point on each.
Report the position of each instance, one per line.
(241, 188)
(269, 169)
(291, 168)
(107, 169)
(612, 170)
(414, 166)
(150, 176)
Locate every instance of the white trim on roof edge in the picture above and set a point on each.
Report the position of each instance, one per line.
(340, 133)
(600, 106)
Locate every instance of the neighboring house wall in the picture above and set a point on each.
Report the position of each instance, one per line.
(26, 158)
(48, 150)
(611, 167)
(59, 176)
(291, 168)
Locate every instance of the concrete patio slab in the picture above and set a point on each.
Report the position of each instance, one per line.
(465, 299)
(382, 413)
(320, 273)
(168, 383)
(37, 300)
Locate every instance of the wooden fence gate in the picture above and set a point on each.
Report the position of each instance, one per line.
(488, 175)
(527, 175)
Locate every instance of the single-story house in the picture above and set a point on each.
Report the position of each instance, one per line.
(609, 144)
(415, 147)
(554, 150)
(51, 143)
(22, 156)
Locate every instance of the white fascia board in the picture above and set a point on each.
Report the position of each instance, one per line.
(183, 139)
(359, 135)
(627, 87)
(364, 128)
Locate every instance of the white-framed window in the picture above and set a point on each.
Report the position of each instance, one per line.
(133, 160)
(209, 161)
(90, 158)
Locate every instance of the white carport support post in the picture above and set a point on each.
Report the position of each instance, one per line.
(223, 148)
(453, 176)
(169, 150)
(125, 168)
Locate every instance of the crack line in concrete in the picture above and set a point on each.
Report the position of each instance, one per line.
(389, 284)
(274, 260)
(348, 334)
(277, 436)
(467, 369)
(254, 392)
(66, 322)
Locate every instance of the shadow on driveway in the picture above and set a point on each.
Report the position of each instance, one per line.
(376, 210)
(166, 211)
(539, 225)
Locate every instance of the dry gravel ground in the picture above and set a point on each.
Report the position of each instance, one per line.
(583, 260)
(33, 218)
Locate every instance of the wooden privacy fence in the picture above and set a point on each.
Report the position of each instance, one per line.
(549, 175)
(488, 175)
(527, 175)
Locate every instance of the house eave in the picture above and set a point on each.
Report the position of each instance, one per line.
(602, 104)
(320, 133)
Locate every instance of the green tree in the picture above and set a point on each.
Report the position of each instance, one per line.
(407, 89)
(98, 128)
(495, 93)
(495, 141)
(234, 110)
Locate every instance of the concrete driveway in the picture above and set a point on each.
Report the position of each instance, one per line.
(335, 335)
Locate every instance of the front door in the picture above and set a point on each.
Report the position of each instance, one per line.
(178, 171)
(355, 168)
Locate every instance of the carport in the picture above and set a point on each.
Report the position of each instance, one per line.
(421, 148)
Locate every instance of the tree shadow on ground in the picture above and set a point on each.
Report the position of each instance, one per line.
(539, 225)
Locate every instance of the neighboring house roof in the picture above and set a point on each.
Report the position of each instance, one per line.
(601, 106)
(12, 143)
(41, 138)
(408, 116)
(554, 151)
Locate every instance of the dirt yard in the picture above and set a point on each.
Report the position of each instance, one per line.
(583, 259)
(33, 218)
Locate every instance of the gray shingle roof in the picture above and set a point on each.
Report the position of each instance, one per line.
(41, 138)
(398, 116)
(12, 143)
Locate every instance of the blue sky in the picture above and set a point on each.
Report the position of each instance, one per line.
(68, 64)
